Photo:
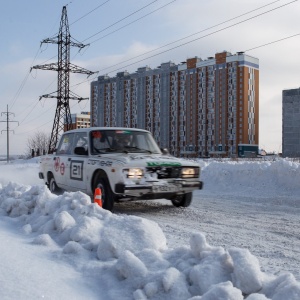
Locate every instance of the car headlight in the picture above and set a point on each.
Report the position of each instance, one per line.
(134, 173)
(189, 172)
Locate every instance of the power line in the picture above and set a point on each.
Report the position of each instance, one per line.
(23, 82)
(131, 14)
(38, 115)
(201, 37)
(91, 79)
(132, 22)
(33, 103)
(100, 31)
(15, 98)
(151, 13)
(56, 34)
(250, 49)
(120, 20)
(204, 37)
(173, 42)
(29, 113)
(273, 42)
(22, 133)
(89, 12)
(165, 44)
(39, 50)
(25, 79)
(263, 45)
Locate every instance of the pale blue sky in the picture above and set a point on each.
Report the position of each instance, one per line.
(24, 24)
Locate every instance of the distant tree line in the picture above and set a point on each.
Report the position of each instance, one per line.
(37, 144)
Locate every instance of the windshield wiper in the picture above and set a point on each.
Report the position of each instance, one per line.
(138, 149)
(103, 150)
(126, 150)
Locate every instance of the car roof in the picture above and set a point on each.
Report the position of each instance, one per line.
(105, 128)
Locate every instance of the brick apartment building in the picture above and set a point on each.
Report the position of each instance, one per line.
(82, 120)
(198, 108)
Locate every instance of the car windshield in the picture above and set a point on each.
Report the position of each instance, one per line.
(122, 141)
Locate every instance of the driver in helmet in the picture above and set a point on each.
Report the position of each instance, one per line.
(121, 141)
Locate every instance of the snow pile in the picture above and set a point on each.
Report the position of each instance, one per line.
(258, 178)
(21, 171)
(129, 255)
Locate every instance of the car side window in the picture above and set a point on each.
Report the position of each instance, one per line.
(101, 141)
(66, 144)
(81, 140)
(141, 141)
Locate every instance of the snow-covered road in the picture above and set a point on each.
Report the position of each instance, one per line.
(266, 226)
(197, 251)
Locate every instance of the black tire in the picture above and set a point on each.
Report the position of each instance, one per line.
(184, 200)
(108, 197)
(54, 189)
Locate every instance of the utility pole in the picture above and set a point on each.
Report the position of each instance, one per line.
(62, 120)
(7, 113)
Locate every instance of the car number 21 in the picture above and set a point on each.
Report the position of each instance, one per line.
(76, 170)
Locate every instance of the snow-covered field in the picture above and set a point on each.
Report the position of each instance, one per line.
(240, 239)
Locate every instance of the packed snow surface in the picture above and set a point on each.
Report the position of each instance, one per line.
(65, 247)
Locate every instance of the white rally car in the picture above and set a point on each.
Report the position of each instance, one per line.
(125, 163)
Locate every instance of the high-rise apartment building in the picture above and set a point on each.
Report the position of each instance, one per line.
(197, 108)
(291, 123)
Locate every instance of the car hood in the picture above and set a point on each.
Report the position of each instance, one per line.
(148, 160)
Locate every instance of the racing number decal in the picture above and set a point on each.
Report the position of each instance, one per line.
(76, 170)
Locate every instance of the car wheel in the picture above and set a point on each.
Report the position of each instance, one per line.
(108, 197)
(182, 200)
(54, 189)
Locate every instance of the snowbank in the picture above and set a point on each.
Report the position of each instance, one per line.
(258, 178)
(129, 254)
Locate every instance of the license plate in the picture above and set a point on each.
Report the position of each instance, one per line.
(163, 188)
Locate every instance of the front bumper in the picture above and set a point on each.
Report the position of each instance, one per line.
(176, 187)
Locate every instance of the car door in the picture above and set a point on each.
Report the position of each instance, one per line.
(61, 160)
(76, 165)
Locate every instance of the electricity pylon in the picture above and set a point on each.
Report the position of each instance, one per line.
(7, 114)
(62, 120)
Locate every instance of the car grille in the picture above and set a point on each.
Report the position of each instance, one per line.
(165, 172)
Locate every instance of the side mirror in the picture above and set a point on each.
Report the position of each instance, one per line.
(165, 151)
(80, 151)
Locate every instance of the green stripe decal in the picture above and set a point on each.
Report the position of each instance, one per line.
(163, 164)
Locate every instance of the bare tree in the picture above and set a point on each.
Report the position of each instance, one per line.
(37, 144)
